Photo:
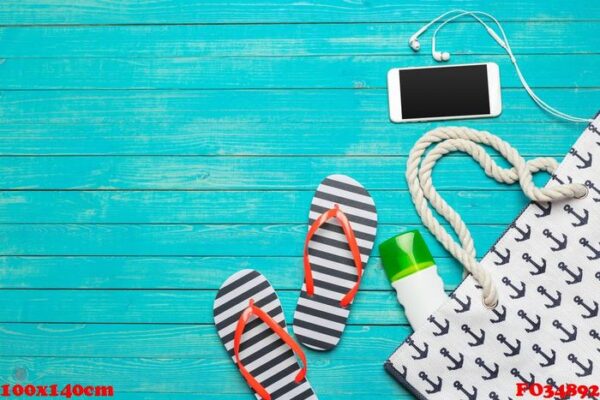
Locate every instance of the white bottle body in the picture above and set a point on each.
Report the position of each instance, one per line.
(421, 294)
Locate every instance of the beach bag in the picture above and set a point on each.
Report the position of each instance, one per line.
(531, 329)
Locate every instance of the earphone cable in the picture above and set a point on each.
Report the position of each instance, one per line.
(503, 42)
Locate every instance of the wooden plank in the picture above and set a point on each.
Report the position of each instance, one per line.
(167, 341)
(143, 272)
(136, 41)
(352, 72)
(197, 375)
(20, 12)
(365, 138)
(203, 123)
(186, 240)
(204, 111)
(217, 174)
(164, 306)
(262, 207)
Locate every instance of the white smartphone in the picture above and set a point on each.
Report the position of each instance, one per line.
(448, 92)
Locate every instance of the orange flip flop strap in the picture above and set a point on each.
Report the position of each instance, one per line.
(334, 212)
(252, 309)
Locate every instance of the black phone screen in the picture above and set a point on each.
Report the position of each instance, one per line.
(444, 91)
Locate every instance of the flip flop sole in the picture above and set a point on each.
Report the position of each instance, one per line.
(320, 320)
(264, 354)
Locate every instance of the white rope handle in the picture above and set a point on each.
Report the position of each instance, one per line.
(450, 139)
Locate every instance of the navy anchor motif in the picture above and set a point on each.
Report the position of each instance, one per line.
(570, 335)
(586, 371)
(525, 233)
(577, 277)
(494, 396)
(545, 210)
(443, 329)
(404, 371)
(591, 311)
(464, 306)
(590, 185)
(586, 243)
(517, 374)
(592, 128)
(585, 162)
(581, 219)
(435, 387)
(492, 373)
(514, 350)
(501, 315)
(518, 292)
(554, 301)
(456, 364)
(421, 353)
(502, 258)
(557, 179)
(540, 268)
(549, 360)
(560, 244)
(535, 325)
(552, 382)
(597, 275)
(478, 339)
(595, 335)
(471, 396)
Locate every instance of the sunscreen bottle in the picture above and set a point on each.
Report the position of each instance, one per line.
(411, 270)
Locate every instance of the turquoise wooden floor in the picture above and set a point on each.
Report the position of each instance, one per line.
(149, 149)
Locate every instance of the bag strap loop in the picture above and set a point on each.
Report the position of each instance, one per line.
(425, 196)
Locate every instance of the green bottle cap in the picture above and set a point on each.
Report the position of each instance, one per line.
(404, 255)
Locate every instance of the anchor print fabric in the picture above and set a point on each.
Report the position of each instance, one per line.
(546, 327)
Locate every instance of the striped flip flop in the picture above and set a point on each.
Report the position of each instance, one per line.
(251, 325)
(342, 227)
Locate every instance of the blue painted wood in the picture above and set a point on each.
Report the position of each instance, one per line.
(19, 12)
(559, 37)
(203, 375)
(228, 136)
(176, 272)
(226, 173)
(145, 145)
(186, 239)
(159, 340)
(198, 109)
(201, 123)
(233, 207)
(349, 72)
(163, 306)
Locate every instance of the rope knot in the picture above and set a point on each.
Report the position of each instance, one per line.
(425, 197)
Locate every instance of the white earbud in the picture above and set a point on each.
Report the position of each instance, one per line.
(439, 56)
(414, 43)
